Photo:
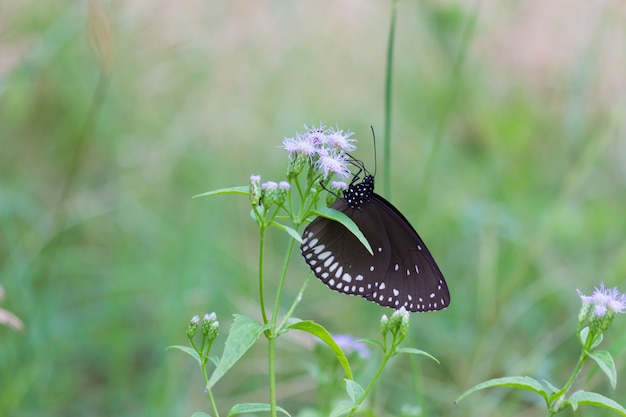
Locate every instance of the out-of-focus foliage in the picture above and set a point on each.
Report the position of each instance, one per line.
(508, 157)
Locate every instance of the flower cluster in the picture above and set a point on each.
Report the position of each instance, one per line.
(601, 306)
(325, 148)
(269, 192)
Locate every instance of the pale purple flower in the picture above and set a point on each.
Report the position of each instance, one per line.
(269, 185)
(339, 185)
(350, 344)
(333, 164)
(316, 136)
(284, 185)
(299, 146)
(338, 140)
(255, 179)
(603, 300)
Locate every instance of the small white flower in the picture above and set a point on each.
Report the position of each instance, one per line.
(340, 141)
(299, 146)
(316, 136)
(333, 164)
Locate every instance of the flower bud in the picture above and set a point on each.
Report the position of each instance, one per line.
(192, 329)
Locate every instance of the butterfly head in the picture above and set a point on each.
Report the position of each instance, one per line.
(358, 194)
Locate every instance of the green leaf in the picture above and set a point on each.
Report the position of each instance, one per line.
(244, 189)
(354, 390)
(336, 215)
(605, 362)
(372, 342)
(417, 352)
(200, 414)
(253, 408)
(522, 382)
(584, 333)
(323, 334)
(550, 386)
(190, 351)
(290, 231)
(243, 333)
(341, 409)
(592, 398)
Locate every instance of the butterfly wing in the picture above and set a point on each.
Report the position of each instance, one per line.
(402, 272)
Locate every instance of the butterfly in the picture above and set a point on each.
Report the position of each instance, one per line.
(400, 273)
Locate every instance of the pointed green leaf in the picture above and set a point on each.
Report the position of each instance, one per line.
(243, 333)
(592, 398)
(244, 189)
(320, 332)
(374, 342)
(605, 362)
(522, 382)
(354, 390)
(584, 333)
(341, 409)
(190, 351)
(551, 387)
(253, 408)
(336, 215)
(414, 351)
(291, 232)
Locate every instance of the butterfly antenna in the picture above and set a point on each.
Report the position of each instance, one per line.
(375, 157)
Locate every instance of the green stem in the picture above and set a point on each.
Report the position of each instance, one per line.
(261, 251)
(388, 92)
(217, 414)
(272, 371)
(281, 283)
(370, 386)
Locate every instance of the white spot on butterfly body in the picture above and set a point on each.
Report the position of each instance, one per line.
(396, 292)
(347, 277)
(372, 268)
(359, 277)
(396, 267)
(417, 269)
(419, 247)
(380, 249)
(382, 286)
(432, 295)
(331, 282)
(408, 272)
(324, 275)
(313, 242)
(333, 266)
(329, 261)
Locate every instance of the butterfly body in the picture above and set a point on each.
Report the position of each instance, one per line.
(400, 273)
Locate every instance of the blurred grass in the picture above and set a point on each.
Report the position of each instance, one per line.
(522, 201)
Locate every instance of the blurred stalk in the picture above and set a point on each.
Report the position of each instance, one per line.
(101, 42)
(388, 91)
(455, 83)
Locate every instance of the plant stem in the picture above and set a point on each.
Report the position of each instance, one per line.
(261, 251)
(388, 356)
(281, 283)
(388, 92)
(272, 371)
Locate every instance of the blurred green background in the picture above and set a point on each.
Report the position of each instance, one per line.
(508, 157)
